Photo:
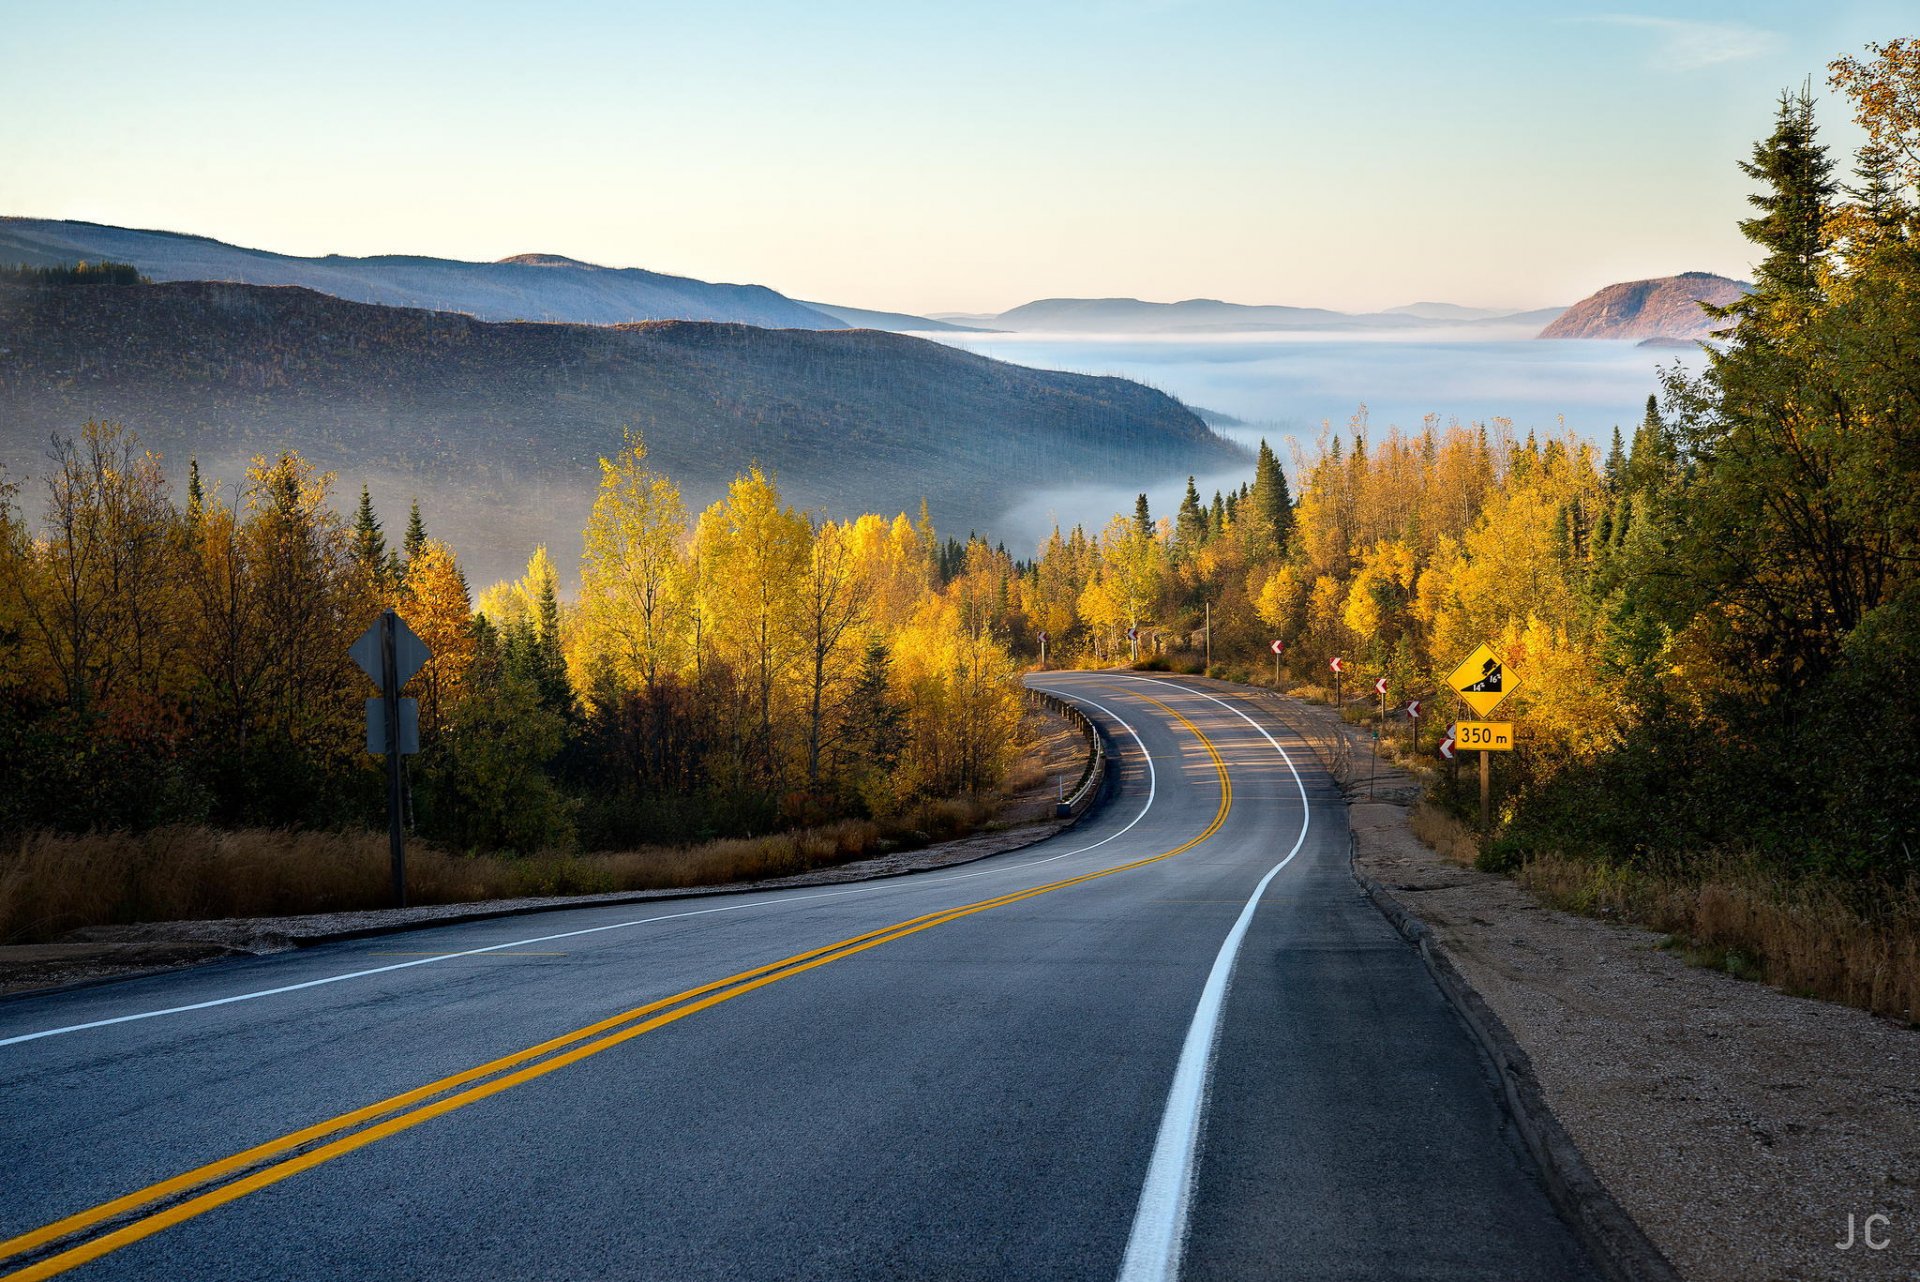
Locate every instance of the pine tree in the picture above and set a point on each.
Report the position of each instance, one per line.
(1190, 525)
(1798, 178)
(196, 496)
(1655, 453)
(1142, 518)
(1879, 209)
(416, 533)
(1616, 463)
(369, 541)
(1217, 516)
(1273, 503)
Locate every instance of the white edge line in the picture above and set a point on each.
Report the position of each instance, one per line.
(1158, 1236)
(884, 884)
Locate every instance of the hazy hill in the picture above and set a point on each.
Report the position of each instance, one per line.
(1448, 311)
(1131, 315)
(1666, 307)
(1208, 315)
(497, 426)
(545, 287)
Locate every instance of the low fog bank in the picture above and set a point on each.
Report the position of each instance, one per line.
(1290, 387)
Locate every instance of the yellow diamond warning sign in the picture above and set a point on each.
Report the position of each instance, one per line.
(1484, 680)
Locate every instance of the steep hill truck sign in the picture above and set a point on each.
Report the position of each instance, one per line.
(1483, 681)
(390, 653)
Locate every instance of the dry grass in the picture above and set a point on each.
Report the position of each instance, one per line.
(1809, 937)
(52, 883)
(1444, 834)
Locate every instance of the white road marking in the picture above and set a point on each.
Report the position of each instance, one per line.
(883, 884)
(1158, 1237)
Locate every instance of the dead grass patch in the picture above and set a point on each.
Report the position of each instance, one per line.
(1811, 937)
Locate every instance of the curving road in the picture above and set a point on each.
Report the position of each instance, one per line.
(1030, 1067)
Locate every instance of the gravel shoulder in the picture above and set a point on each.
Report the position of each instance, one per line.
(98, 954)
(1739, 1126)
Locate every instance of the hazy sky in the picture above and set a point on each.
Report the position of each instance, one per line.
(936, 156)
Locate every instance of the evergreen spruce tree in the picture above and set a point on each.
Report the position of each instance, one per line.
(1190, 525)
(369, 541)
(1616, 463)
(196, 496)
(1217, 516)
(1142, 518)
(1273, 503)
(1797, 178)
(416, 533)
(1879, 206)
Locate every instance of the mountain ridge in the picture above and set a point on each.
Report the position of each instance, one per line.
(498, 426)
(528, 287)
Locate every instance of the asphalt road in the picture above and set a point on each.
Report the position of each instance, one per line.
(1030, 1067)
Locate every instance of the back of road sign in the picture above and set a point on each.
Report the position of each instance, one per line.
(409, 726)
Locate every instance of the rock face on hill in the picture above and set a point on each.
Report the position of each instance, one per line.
(1665, 307)
(497, 427)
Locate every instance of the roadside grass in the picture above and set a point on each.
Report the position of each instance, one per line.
(1811, 936)
(1444, 834)
(52, 883)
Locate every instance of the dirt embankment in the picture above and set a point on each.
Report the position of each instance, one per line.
(1748, 1132)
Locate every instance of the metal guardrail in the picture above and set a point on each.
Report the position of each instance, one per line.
(1094, 774)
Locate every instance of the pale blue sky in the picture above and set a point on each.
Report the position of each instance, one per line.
(936, 156)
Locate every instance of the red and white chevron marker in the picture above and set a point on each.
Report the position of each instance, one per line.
(1446, 744)
(1413, 709)
(1337, 663)
(1380, 687)
(1277, 646)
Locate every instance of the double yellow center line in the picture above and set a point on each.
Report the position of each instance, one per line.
(183, 1197)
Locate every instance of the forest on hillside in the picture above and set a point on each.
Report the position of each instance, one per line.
(498, 426)
(168, 658)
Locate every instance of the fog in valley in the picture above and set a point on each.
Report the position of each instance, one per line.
(1289, 387)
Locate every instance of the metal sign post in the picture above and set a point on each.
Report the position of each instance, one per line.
(1277, 646)
(396, 799)
(391, 654)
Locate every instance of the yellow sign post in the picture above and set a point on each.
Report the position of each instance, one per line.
(1484, 681)
(1485, 736)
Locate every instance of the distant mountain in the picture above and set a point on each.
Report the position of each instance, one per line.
(538, 287)
(1665, 307)
(1449, 311)
(1211, 316)
(1132, 316)
(497, 426)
